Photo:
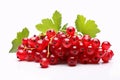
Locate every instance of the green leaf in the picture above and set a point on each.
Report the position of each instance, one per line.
(86, 26)
(54, 23)
(63, 29)
(57, 19)
(18, 40)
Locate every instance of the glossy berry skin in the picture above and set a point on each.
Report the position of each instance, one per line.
(106, 45)
(21, 47)
(74, 50)
(44, 62)
(31, 43)
(39, 45)
(66, 43)
(53, 59)
(50, 33)
(90, 50)
(70, 30)
(21, 54)
(110, 52)
(55, 41)
(37, 56)
(86, 40)
(106, 57)
(44, 53)
(74, 40)
(25, 41)
(45, 42)
(72, 61)
(59, 52)
(95, 59)
(30, 55)
(100, 52)
(81, 47)
(95, 43)
(84, 59)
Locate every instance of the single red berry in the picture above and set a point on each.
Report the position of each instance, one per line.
(110, 52)
(59, 34)
(30, 55)
(84, 60)
(53, 59)
(70, 30)
(56, 42)
(90, 50)
(50, 33)
(95, 43)
(51, 48)
(59, 52)
(25, 41)
(81, 47)
(106, 57)
(74, 39)
(72, 61)
(21, 54)
(74, 50)
(37, 56)
(95, 59)
(39, 45)
(86, 40)
(44, 62)
(31, 43)
(44, 53)
(66, 43)
(106, 45)
(100, 52)
(45, 42)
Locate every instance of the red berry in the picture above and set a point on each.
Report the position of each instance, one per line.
(21, 47)
(44, 62)
(70, 30)
(21, 54)
(25, 41)
(66, 43)
(95, 43)
(30, 55)
(55, 41)
(106, 57)
(86, 40)
(43, 53)
(106, 45)
(53, 59)
(74, 40)
(81, 47)
(72, 61)
(39, 45)
(45, 42)
(74, 50)
(100, 52)
(59, 52)
(90, 50)
(84, 60)
(37, 56)
(95, 59)
(50, 33)
(110, 52)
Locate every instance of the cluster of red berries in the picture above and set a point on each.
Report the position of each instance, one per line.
(55, 48)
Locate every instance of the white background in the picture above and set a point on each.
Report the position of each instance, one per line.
(16, 14)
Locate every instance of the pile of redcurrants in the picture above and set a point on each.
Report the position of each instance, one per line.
(64, 47)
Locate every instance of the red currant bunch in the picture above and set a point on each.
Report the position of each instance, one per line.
(69, 47)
